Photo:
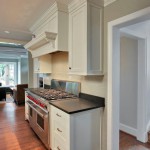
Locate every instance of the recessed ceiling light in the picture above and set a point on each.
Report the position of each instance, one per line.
(7, 32)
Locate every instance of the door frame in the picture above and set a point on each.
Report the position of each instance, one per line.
(113, 83)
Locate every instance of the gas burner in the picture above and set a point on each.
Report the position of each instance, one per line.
(51, 94)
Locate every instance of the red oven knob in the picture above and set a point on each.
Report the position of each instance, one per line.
(42, 105)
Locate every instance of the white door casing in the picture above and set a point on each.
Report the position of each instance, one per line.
(113, 93)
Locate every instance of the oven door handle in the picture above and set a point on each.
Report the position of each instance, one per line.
(42, 115)
(38, 107)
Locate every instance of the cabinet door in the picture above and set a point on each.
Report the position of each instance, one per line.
(36, 65)
(45, 64)
(42, 64)
(77, 41)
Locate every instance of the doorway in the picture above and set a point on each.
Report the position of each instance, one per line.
(113, 93)
(128, 84)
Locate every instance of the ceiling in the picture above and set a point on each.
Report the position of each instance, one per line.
(136, 31)
(17, 17)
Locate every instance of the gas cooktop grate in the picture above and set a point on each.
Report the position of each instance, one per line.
(51, 94)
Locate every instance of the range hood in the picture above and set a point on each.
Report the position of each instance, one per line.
(51, 32)
(42, 39)
(42, 44)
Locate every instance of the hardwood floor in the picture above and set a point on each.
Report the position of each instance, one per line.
(128, 142)
(15, 132)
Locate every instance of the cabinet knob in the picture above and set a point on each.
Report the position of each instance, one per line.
(59, 130)
(58, 148)
(69, 67)
(58, 115)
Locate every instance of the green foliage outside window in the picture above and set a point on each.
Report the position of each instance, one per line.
(2, 69)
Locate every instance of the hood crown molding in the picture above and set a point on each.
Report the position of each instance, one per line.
(77, 3)
(107, 2)
(40, 40)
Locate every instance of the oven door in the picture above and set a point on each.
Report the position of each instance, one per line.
(38, 120)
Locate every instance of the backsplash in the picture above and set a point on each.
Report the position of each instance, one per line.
(70, 87)
(94, 85)
(47, 79)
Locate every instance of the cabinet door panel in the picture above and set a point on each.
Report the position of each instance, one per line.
(78, 40)
(36, 65)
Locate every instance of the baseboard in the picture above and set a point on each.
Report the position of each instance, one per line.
(128, 129)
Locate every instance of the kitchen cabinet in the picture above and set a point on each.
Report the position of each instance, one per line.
(77, 131)
(26, 106)
(85, 42)
(42, 64)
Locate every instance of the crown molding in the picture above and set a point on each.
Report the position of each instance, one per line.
(57, 6)
(40, 40)
(107, 2)
(13, 41)
(77, 3)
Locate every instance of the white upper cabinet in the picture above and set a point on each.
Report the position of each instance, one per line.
(85, 46)
(42, 64)
(51, 31)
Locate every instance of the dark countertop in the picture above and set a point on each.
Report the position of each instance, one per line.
(76, 105)
(27, 89)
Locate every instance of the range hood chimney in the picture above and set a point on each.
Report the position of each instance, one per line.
(51, 31)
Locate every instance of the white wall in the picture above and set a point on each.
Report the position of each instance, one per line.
(148, 83)
(128, 83)
(19, 72)
(142, 30)
(89, 84)
(24, 70)
(30, 69)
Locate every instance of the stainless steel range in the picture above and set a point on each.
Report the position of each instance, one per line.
(38, 104)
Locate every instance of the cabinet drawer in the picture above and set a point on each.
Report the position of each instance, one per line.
(59, 143)
(60, 116)
(60, 129)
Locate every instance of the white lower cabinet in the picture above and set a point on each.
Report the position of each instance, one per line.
(26, 106)
(78, 131)
(42, 64)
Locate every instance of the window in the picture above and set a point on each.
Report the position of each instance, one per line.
(7, 74)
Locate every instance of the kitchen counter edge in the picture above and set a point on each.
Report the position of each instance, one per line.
(87, 102)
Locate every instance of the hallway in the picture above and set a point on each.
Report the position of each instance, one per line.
(15, 133)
